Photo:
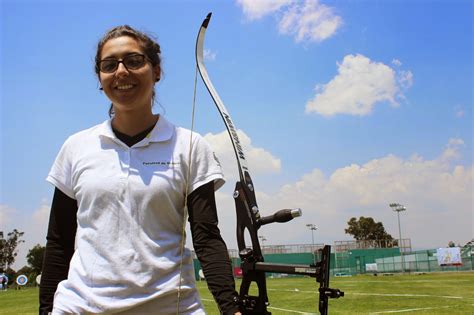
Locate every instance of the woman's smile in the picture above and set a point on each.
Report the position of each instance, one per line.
(125, 87)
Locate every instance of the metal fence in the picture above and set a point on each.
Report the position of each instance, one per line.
(378, 261)
(422, 261)
(356, 257)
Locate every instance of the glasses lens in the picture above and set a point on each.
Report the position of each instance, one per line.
(134, 61)
(108, 65)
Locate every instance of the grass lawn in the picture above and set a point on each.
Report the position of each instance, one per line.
(437, 293)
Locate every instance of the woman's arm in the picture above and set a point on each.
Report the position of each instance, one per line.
(211, 249)
(59, 248)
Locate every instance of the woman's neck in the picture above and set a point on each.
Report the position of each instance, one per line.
(132, 124)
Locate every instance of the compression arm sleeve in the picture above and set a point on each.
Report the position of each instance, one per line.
(59, 248)
(211, 249)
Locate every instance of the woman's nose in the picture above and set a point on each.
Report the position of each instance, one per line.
(121, 70)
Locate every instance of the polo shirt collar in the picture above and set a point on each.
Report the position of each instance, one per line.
(163, 131)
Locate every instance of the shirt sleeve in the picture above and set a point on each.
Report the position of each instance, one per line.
(205, 166)
(60, 174)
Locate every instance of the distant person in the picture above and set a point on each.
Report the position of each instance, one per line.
(115, 241)
(4, 283)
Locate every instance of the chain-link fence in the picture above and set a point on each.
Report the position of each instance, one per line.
(384, 260)
(356, 257)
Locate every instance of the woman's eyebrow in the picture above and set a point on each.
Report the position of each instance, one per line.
(114, 56)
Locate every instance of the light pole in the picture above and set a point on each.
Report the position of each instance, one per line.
(262, 239)
(313, 228)
(399, 208)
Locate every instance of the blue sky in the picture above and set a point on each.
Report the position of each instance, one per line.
(344, 106)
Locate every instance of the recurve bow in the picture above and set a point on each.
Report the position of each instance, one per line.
(253, 265)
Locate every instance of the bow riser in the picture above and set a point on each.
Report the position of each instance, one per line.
(246, 218)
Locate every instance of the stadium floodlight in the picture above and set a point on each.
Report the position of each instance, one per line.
(399, 208)
(262, 239)
(313, 228)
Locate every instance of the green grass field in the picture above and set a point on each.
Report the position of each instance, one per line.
(437, 293)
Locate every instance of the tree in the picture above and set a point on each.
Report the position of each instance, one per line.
(35, 258)
(368, 229)
(8, 248)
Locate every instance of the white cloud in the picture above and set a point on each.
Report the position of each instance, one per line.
(451, 152)
(308, 21)
(396, 62)
(34, 225)
(359, 85)
(6, 214)
(405, 79)
(260, 161)
(40, 219)
(256, 9)
(459, 111)
(209, 55)
(437, 194)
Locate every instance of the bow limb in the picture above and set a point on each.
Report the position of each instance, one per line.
(239, 154)
(246, 204)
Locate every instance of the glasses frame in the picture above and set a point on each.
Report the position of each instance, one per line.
(121, 61)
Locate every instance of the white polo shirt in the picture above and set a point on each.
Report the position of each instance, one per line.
(129, 220)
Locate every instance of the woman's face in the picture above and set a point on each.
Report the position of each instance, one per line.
(129, 90)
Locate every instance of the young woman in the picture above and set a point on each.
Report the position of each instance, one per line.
(115, 240)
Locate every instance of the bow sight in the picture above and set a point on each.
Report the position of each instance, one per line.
(248, 218)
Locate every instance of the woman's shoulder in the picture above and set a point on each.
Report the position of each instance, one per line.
(180, 133)
(186, 135)
(84, 135)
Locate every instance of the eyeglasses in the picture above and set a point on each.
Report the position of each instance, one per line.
(131, 62)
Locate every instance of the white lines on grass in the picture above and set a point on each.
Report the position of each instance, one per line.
(277, 308)
(410, 310)
(293, 290)
(409, 295)
(290, 311)
(386, 280)
(379, 294)
(376, 294)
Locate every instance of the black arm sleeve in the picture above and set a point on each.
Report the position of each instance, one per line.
(211, 249)
(59, 248)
